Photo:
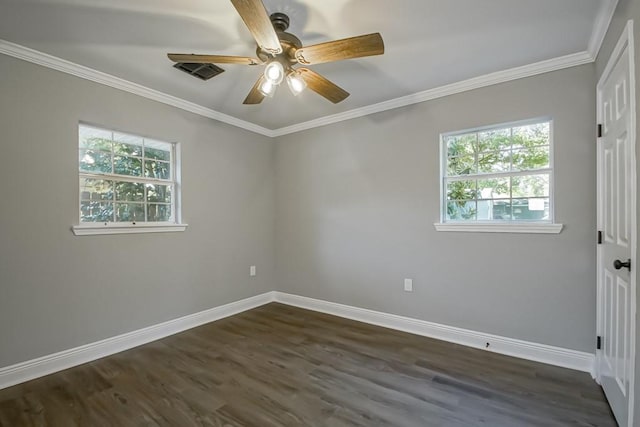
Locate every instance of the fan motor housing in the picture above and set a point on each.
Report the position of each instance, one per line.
(280, 21)
(288, 41)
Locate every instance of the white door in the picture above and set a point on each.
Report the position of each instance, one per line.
(617, 223)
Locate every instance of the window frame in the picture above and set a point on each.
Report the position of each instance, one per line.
(98, 228)
(548, 226)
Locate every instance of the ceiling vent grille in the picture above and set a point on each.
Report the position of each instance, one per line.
(201, 71)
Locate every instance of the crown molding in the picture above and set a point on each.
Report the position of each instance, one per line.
(603, 20)
(567, 61)
(451, 89)
(68, 67)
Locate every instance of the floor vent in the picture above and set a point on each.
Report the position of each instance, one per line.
(201, 71)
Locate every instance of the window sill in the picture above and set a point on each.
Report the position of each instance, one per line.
(500, 228)
(95, 229)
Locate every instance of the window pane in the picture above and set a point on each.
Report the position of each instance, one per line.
(461, 190)
(505, 174)
(129, 212)
(91, 211)
(458, 166)
(158, 212)
(127, 145)
(158, 193)
(494, 140)
(531, 135)
(157, 169)
(95, 189)
(499, 161)
(127, 149)
(461, 210)
(125, 138)
(530, 209)
(530, 186)
(125, 165)
(130, 191)
(158, 153)
(95, 139)
(498, 210)
(461, 145)
(94, 161)
(531, 158)
(119, 176)
(495, 188)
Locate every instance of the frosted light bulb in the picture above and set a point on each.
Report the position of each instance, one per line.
(296, 83)
(267, 88)
(274, 72)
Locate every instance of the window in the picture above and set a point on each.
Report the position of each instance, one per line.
(126, 181)
(498, 175)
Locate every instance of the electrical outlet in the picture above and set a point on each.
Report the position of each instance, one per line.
(408, 285)
(252, 270)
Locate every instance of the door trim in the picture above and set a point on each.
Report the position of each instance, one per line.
(626, 41)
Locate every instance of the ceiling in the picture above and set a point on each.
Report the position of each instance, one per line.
(429, 44)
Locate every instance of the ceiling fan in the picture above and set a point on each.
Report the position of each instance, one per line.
(280, 51)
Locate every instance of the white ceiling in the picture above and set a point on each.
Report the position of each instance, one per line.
(429, 44)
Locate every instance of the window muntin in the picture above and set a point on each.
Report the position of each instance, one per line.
(498, 174)
(125, 178)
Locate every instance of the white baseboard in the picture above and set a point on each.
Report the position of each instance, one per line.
(25, 371)
(31, 369)
(551, 355)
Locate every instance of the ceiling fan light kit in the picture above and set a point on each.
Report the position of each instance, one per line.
(280, 51)
(296, 83)
(267, 88)
(274, 72)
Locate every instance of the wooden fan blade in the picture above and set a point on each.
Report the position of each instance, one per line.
(354, 47)
(255, 96)
(212, 59)
(322, 86)
(255, 17)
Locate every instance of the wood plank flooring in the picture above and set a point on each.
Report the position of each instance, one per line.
(282, 366)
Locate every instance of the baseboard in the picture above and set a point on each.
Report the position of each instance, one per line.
(551, 355)
(25, 371)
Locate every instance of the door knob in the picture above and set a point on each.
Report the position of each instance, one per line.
(617, 264)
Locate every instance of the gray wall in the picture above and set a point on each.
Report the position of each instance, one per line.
(342, 213)
(627, 9)
(356, 203)
(58, 291)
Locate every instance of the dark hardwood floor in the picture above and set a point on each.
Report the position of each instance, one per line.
(282, 366)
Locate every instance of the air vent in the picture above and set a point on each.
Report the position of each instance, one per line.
(201, 71)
